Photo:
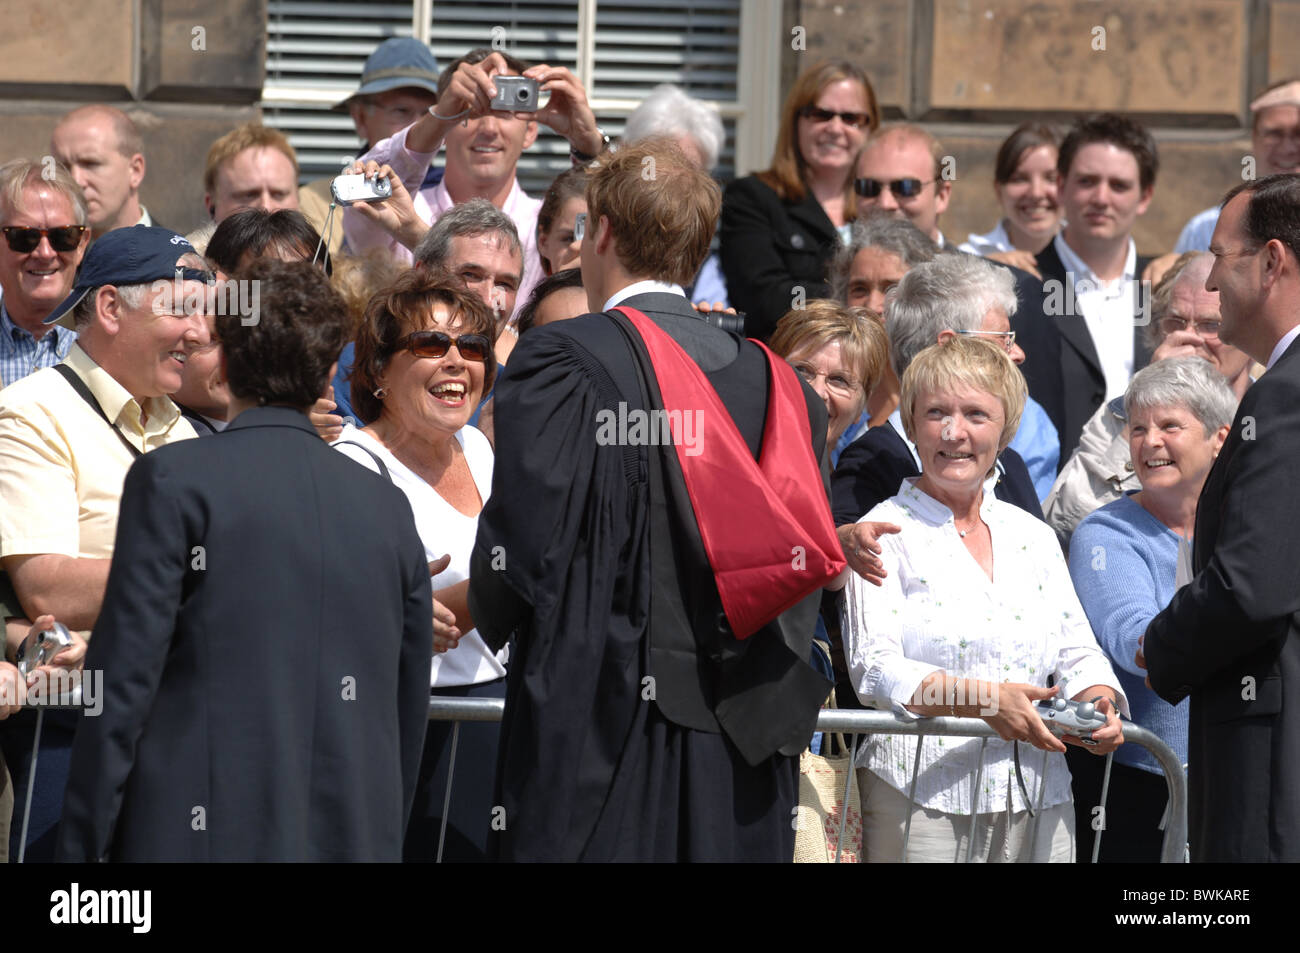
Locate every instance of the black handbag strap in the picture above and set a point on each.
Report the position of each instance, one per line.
(383, 467)
(77, 384)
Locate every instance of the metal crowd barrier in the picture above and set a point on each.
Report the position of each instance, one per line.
(858, 722)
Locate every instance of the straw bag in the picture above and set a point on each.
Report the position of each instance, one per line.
(828, 785)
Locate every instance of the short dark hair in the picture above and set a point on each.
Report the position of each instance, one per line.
(477, 55)
(1273, 210)
(1025, 137)
(285, 355)
(568, 278)
(1118, 131)
(404, 307)
(252, 231)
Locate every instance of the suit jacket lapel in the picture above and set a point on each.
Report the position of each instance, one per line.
(1069, 322)
(810, 214)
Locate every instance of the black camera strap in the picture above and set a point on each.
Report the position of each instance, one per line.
(77, 384)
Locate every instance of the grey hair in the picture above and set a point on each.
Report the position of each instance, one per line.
(669, 111)
(17, 174)
(467, 219)
(880, 230)
(1184, 268)
(1190, 382)
(953, 292)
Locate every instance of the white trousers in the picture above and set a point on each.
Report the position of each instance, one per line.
(935, 837)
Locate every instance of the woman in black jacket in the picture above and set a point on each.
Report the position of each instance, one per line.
(780, 227)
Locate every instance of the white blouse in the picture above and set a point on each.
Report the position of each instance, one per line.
(939, 611)
(442, 529)
(995, 241)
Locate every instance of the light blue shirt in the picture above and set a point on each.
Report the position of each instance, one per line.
(1039, 446)
(1198, 231)
(22, 354)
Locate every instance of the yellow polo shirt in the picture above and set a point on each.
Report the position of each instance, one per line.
(62, 467)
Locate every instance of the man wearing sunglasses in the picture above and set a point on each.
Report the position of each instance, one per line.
(900, 171)
(68, 435)
(44, 237)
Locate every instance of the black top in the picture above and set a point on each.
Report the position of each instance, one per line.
(769, 248)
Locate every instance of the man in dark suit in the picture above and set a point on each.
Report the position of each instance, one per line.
(1091, 341)
(259, 704)
(1231, 637)
(655, 706)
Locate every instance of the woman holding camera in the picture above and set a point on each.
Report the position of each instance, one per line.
(976, 611)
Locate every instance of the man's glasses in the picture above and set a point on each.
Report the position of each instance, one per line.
(1206, 329)
(902, 188)
(817, 114)
(472, 347)
(579, 226)
(1006, 338)
(842, 384)
(62, 238)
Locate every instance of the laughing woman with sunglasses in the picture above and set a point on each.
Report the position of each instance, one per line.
(781, 227)
(424, 359)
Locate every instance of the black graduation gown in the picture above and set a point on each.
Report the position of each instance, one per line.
(590, 768)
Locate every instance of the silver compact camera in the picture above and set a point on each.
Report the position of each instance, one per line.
(350, 189)
(40, 647)
(515, 94)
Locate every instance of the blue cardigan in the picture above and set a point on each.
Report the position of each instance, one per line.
(1123, 562)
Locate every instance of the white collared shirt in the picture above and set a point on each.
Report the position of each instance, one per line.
(995, 241)
(649, 286)
(1107, 308)
(1282, 345)
(938, 611)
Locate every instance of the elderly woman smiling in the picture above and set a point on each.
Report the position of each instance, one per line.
(424, 358)
(1124, 560)
(976, 612)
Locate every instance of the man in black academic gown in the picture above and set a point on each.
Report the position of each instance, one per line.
(640, 723)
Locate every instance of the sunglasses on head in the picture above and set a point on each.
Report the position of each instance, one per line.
(472, 347)
(817, 114)
(902, 188)
(62, 237)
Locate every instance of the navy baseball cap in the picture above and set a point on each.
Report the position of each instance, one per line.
(397, 63)
(128, 256)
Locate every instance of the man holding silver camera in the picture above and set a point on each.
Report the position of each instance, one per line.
(483, 144)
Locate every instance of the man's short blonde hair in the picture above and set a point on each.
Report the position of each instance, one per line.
(251, 135)
(862, 338)
(17, 174)
(965, 362)
(662, 209)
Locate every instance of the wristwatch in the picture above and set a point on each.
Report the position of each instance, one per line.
(582, 157)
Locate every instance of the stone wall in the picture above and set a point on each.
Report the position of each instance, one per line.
(186, 71)
(970, 70)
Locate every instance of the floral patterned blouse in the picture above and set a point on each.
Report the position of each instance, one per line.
(939, 611)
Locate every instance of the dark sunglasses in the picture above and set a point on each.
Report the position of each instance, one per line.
(62, 238)
(902, 188)
(817, 114)
(472, 347)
